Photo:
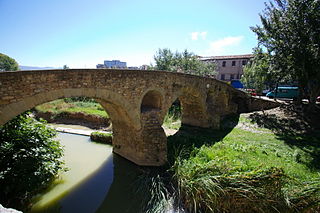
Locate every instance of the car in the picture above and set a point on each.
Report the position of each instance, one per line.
(318, 99)
(251, 92)
(284, 92)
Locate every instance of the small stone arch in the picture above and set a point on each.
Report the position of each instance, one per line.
(152, 100)
(194, 112)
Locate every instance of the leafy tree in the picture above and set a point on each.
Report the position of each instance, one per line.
(291, 34)
(261, 74)
(65, 67)
(7, 63)
(29, 159)
(184, 62)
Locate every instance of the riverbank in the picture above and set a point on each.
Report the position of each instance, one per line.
(259, 162)
(83, 130)
(75, 129)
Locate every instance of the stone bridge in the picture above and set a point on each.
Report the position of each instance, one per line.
(136, 101)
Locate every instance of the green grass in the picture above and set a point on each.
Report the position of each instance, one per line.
(172, 119)
(73, 106)
(172, 122)
(236, 170)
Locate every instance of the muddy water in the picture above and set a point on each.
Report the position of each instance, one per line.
(97, 181)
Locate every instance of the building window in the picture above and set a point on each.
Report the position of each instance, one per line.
(244, 62)
(223, 63)
(231, 76)
(233, 63)
(222, 77)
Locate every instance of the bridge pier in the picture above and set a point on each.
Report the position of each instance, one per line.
(145, 147)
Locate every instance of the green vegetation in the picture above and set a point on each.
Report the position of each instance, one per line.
(7, 63)
(258, 73)
(30, 159)
(290, 34)
(101, 137)
(73, 105)
(184, 62)
(248, 168)
(172, 119)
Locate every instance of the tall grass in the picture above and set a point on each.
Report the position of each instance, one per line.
(243, 171)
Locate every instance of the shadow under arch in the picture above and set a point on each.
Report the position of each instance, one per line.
(152, 100)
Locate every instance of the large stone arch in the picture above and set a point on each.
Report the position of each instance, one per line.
(11, 110)
(124, 117)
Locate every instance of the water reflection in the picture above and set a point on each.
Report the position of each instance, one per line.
(123, 195)
(110, 188)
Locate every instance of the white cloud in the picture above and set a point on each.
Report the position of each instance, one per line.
(195, 35)
(223, 46)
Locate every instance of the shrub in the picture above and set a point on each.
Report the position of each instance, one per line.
(30, 158)
(101, 137)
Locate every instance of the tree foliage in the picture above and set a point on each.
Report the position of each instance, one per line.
(7, 63)
(290, 32)
(260, 73)
(184, 62)
(65, 67)
(30, 158)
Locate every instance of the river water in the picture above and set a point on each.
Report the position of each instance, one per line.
(97, 181)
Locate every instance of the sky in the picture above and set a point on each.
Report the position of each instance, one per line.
(83, 33)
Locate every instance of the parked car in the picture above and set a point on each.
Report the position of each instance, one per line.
(265, 92)
(318, 99)
(284, 92)
(251, 92)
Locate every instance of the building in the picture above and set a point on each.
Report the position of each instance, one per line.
(100, 66)
(115, 64)
(229, 67)
(112, 64)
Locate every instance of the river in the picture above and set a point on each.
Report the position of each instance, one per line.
(97, 181)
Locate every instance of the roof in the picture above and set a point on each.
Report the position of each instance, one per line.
(246, 56)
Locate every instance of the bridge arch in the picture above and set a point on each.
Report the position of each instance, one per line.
(125, 121)
(114, 99)
(193, 107)
(152, 99)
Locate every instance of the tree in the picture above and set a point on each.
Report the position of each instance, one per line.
(261, 74)
(30, 158)
(184, 62)
(65, 67)
(7, 63)
(290, 32)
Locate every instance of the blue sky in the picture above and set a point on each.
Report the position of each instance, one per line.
(83, 33)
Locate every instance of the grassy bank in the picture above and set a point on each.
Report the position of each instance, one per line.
(248, 168)
(69, 105)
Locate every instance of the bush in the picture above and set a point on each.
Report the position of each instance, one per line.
(101, 137)
(29, 159)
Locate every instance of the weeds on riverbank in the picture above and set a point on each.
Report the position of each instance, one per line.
(73, 105)
(245, 170)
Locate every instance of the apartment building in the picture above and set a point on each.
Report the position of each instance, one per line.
(112, 64)
(229, 67)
